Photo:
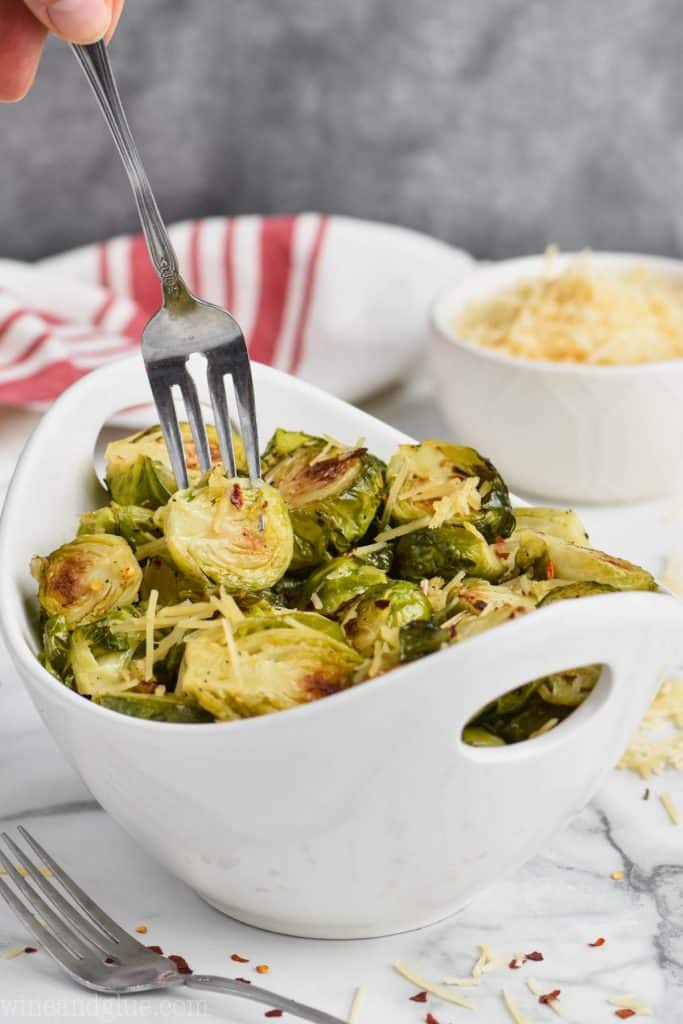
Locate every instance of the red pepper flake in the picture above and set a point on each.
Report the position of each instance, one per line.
(239, 959)
(549, 997)
(30, 949)
(550, 569)
(245, 981)
(236, 496)
(517, 962)
(534, 956)
(181, 963)
(598, 942)
(382, 603)
(420, 997)
(156, 949)
(431, 1019)
(624, 1014)
(273, 1013)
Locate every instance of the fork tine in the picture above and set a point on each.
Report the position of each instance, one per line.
(196, 419)
(53, 923)
(163, 399)
(215, 375)
(246, 407)
(46, 939)
(107, 943)
(78, 895)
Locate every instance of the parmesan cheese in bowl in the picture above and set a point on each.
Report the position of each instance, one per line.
(570, 368)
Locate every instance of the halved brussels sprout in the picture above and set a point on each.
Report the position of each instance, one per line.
(230, 532)
(570, 688)
(265, 663)
(102, 660)
(476, 736)
(172, 586)
(382, 608)
(567, 591)
(450, 484)
(165, 708)
(139, 468)
(337, 583)
(581, 564)
(444, 552)
(418, 638)
(535, 717)
(472, 625)
(558, 522)
(136, 524)
(479, 597)
(55, 653)
(332, 493)
(87, 578)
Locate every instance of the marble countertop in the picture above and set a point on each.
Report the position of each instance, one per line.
(559, 902)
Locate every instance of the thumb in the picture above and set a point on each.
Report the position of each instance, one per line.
(76, 21)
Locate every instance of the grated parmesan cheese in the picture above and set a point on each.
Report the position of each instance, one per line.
(428, 986)
(401, 531)
(512, 1008)
(10, 954)
(232, 649)
(648, 754)
(671, 808)
(149, 633)
(536, 990)
(581, 315)
(355, 1003)
(631, 1002)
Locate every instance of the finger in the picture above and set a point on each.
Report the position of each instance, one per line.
(21, 43)
(116, 11)
(75, 21)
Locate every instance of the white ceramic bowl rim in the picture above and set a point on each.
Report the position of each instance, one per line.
(457, 294)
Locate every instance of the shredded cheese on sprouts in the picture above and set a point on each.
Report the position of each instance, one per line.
(671, 808)
(368, 549)
(401, 531)
(394, 491)
(316, 601)
(227, 606)
(428, 986)
(232, 649)
(512, 1008)
(355, 1003)
(149, 634)
(631, 1002)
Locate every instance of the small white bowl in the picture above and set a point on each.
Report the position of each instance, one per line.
(567, 431)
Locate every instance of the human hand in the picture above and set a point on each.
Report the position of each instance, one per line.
(24, 25)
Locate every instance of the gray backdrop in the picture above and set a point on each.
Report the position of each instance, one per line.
(499, 125)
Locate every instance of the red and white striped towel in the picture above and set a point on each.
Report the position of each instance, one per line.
(341, 302)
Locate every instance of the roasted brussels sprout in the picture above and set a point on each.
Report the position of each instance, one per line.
(580, 564)
(469, 625)
(332, 493)
(172, 586)
(476, 736)
(570, 688)
(229, 532)
(56, 645)
(101, 659)
(373, 621)
(445, 551)
(265, 663)
(449, 484)
(558, 522)
(337, 583)
(87, 578)
(418, 638)
(139, 468)
(534, 718)
(166, 708)
(567, 591)
(139, 526)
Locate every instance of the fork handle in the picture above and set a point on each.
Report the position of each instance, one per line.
(229, 987)
(94, 60)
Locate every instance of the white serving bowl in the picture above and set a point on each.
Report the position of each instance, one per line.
(569, 432)
(357, 815)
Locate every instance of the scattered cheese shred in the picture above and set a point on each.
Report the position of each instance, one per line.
(227, 606)
(149, 633)
(617, 875)
(649, 754)
(10, 954)
(394, 491)
(355, 1004)
(488, 961)
(428, 986)
(631, 1002)
(401, 531)
(581, 315)
(536, 990)
(232, 650)
(512, 1008)
(316, 601)
(671, 808)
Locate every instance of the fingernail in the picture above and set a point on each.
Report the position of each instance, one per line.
(80, 21)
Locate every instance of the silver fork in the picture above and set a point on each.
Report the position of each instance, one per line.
(185, 324)
(95, 950)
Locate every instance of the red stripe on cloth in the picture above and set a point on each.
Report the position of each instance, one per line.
(103, 310)
(43, 386)
(276, 261)
(194, 260)
(103, 264)
(307, 297)
(145, 289)
(12, 318)
(229, 262)
(30, 350)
